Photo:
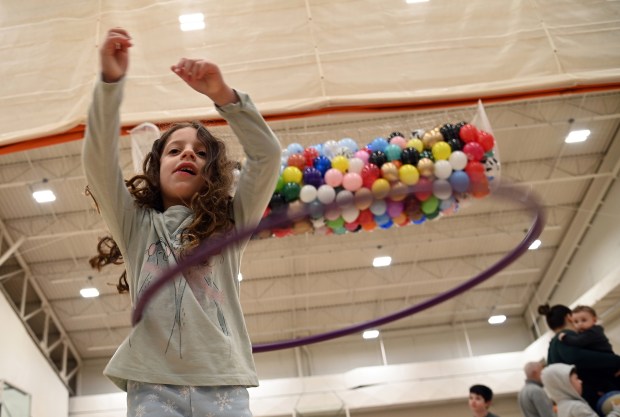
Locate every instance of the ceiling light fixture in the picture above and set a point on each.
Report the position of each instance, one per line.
(42, 193)
(370, 334)
(192, 21)
(381, 261)
(535, 244)
(416, 1)
(240, 277)
(497, 319)
(90, 291)
(576, 136)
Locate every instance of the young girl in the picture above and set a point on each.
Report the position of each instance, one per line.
(191, 350)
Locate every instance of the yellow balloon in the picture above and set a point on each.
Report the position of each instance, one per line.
(292, 174)
(408, 174)
(416, 144)
(441, 151)
(380, 188)
(341, 163)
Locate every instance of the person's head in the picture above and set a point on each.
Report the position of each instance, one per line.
(480, 397)
(558, 317)
(584, 318)
(533, 370)
(187, 161)
(186, 166)
(575, 381)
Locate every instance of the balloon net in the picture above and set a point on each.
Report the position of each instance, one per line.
(407, 170)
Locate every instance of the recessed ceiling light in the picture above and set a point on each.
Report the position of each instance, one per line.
(89, 292)
(535, 244)
(380, 261)
(44, 196)
(370, 334)
(498, 319)
(577, 136)
(192, 21)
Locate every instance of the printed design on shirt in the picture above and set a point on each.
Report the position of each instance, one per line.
(200, 281)
(157, 259)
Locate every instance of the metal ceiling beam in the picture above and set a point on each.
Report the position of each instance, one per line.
(610, 166)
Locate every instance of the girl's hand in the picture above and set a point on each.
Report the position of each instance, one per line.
(206, 78)
(114, 54)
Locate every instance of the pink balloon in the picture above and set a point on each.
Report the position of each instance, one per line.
(352, 181)
(363, 155)
(333, 177)
(399, 141)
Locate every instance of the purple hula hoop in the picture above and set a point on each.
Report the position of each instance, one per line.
(529, 200)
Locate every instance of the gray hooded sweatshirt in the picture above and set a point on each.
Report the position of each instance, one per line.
(556, 380)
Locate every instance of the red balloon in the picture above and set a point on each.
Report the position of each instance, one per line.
(468, 133)
(297, 160)
(310, 155)
(474, 170)
(474, 151)
(370, 173)
(365, 216)
(486, 140)
(423, 189)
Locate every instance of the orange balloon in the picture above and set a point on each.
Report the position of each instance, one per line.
(369, 226)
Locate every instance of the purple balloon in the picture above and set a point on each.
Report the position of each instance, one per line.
(312, 176)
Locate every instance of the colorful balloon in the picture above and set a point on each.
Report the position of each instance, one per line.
(292, 174)
(408, 174)
(352, 181)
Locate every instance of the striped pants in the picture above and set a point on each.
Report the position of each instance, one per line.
(153, 400)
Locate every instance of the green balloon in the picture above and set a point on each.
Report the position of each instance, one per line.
(290, 191)
(393, 152)
(430, 205)
(335, 224)
(279, 184)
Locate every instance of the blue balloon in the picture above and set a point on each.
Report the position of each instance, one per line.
(294, 148)
(316, 209)
(387, 225)
(322, 163)
(349, 143)
(459, 181)
(378, 144)
(382, 219)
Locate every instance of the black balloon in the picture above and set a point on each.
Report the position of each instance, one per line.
(378, 158)
(394, 134)
(456, 144)
(410, 156)
(448, 131)
(277, 202)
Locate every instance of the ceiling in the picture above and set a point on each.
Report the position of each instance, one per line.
(318, 70)
(306, 284)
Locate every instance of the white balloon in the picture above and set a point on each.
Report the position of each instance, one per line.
(307, 193)
(350, 214)
(443, 169)
(458, 160)
(326, 194)
(356, 165)
(442, 189)
(344, 198)
(378, 207)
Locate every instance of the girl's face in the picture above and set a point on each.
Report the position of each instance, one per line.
(576, 383)
(181, 165)
(582, 320)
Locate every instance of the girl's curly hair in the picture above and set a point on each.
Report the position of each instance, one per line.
(211, 205)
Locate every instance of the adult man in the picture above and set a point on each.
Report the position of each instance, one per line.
(533, 400)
